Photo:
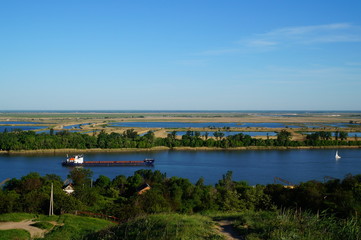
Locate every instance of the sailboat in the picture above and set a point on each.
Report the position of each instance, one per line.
(337, 156)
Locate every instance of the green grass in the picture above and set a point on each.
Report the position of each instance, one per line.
(69, 226)
(162, 226)
(43, 225)
(16, 217)
(265, 225)
(14, 234)
(74, 227)
(288, 225)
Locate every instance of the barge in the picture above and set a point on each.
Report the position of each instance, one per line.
(78, 160)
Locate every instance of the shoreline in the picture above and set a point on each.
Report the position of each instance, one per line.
(162, 148)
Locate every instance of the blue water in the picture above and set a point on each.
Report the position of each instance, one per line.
(321, 125)
(198, 125)
(18, 122)
(23, 128)
(341, 125)
(56, 131)
(226, 134)
(268, 125)
(174, 124)
(256, 167)
(75, 126)
(353, 134)
(350, 134)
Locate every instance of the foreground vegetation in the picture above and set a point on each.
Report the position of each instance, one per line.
(68, 226)
(293, 224)
(173, 207)
(29, 140)
(14, 234)
(252, 225)
(162, 227)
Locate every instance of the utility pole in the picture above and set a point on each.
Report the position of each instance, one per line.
(51, 208)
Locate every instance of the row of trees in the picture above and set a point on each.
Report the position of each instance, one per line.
(323, 135)
(29, 140)
(119, 197)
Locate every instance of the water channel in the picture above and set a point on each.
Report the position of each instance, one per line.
(255, 167)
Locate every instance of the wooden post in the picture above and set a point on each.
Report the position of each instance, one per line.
(51, 207)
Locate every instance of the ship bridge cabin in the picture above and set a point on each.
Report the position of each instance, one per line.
(77, 159)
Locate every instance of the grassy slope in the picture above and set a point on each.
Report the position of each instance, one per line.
(278, 225)
(14, 234)
(162, 226)
(74, 227)
(71, 227)
(16, 217)
(270, 225)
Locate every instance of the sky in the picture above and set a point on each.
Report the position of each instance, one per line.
(180, 55)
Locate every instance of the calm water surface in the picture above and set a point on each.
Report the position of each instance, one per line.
(226, 134)
(23, 128)
(198, 125)
(18, 122)
(256, 167)
(75, 126)
(350, 134)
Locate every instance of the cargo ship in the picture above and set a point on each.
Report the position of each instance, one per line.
(78, 160)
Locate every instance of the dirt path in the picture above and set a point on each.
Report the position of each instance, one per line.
(34, 231)
(227, 230)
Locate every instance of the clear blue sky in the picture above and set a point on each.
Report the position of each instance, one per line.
(180, 55)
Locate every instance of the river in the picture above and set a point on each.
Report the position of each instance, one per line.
(255, 167)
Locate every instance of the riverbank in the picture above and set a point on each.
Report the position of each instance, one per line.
(161, 148)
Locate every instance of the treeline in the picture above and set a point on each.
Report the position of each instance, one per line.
(120, 197)
(29, 140)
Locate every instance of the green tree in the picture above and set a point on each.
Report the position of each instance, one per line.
(130, 133)
(283, 137)
(343, 135)
(102, 182)
(81, 176)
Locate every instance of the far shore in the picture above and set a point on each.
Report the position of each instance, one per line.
(162, 148)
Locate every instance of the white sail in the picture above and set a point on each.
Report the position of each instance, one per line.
(337, 156)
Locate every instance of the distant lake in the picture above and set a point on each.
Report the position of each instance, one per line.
(252, 134)
(17, 122)
(353, 134)
(321, 125)
(23, 128)
(350, 134)
(75, 126)
(268, 125)
(56, 131)
(198, 125)
(255, 167)
(342, 125)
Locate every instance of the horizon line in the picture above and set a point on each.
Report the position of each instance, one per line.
(179, 110)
